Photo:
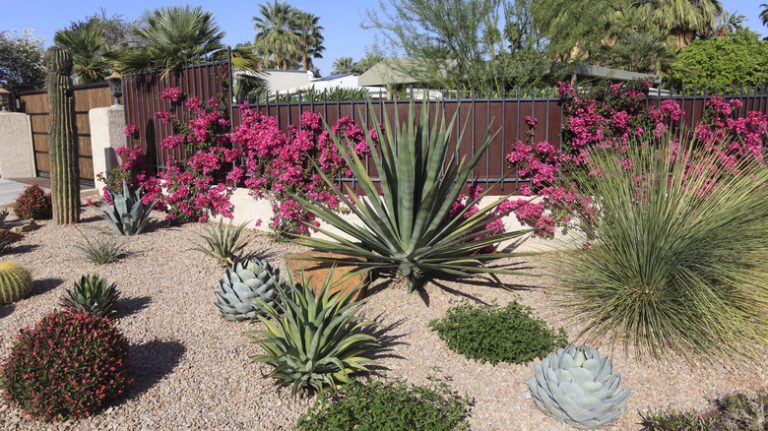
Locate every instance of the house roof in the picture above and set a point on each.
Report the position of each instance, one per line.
(387, 71)
(594, 71)
(332, 77)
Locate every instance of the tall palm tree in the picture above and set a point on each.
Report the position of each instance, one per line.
(86, 42)
(764, 13)
(342, 65)
(728, 23)
(169, 38)
(683, 19)
(310, 38)
(275, 35)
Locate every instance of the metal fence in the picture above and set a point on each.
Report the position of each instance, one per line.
(504, 117)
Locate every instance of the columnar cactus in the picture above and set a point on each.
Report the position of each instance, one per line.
(15, 282)
(62, 139)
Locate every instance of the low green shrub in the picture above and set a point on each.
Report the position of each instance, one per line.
(393, 406)
(101, 250)
(497, 334)
(222, 242)
(738, 412)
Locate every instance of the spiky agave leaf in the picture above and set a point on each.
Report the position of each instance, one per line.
(245, 282)
(405, 229)
(92, 294)
(223, 242)
(128, 213)
(316, 341)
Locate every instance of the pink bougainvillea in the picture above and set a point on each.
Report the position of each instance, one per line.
(279, 165)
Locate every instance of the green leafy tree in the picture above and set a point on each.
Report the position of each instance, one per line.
(170, 38)
(85, 40)
(684, 19)
(764, 14)
(639, 51)
(22, 61)
(275, 33)
(738, 59)
(342, 65)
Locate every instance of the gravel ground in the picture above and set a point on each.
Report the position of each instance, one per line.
(192, 368)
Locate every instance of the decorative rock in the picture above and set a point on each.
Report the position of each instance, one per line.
(27, 226)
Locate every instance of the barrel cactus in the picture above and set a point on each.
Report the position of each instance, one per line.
(15, 282)
(578, 386)
(245, 282)
(63, 145)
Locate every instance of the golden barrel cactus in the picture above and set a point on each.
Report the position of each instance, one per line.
(15, 282)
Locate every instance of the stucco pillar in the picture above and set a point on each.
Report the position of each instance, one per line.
(17, 154)
(107, 127)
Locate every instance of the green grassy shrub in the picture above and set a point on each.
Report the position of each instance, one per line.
(393, 406)
(677, 261)
(497, 334)
(737, 412)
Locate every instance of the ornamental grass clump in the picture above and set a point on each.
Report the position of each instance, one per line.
(66, 367)
(678, 260)
(314, 341)
(403, 225)
(497, 334)
(222, 242)
(736, 412)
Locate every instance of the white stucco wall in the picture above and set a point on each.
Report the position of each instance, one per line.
(248, 209)
(17, 155)
(107, 127)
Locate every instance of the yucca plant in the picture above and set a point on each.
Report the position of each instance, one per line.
(3, 215)
(314, 341)
(407, 229)
(92, 294)
(678, 260)
(223, 242)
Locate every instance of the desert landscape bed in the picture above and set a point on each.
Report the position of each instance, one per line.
(192, 368)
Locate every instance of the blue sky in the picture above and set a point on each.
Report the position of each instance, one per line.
(341, 19)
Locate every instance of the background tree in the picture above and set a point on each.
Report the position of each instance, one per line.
(764, 14)
(275, 34)
(738, 59)
(683, 19)
(638, 51)
(169, 38)
(22, 61)
(342, 65)
(371, 58)
(310, 33)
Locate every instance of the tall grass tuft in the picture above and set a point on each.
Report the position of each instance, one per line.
(678, 256)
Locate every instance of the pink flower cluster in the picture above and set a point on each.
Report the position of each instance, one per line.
(747, 135)
(280, 165)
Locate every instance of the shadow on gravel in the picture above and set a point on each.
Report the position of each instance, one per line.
(151, 362)
(6, 310)
(44, 285)
(388, 340)
(21, 249)
(128, 306)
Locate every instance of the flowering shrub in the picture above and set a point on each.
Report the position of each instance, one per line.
(67, 366)
(33, 203)
(279, 165)
(748, 135)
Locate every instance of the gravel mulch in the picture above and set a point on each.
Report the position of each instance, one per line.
(192, 368)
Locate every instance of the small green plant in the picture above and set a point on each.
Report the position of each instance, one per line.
(33, 203)
(100, 250)
(495, 334)
(737, 412)
(316, 340)
(393, 406)
(128, 213)
(92, 294)
(3, 216)
(223, 242)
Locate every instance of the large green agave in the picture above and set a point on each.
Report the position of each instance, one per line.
(578, 386)
(405, 229)
(92, 294)
(316, 341)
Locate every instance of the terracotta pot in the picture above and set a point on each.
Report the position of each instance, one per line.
(316, 272)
